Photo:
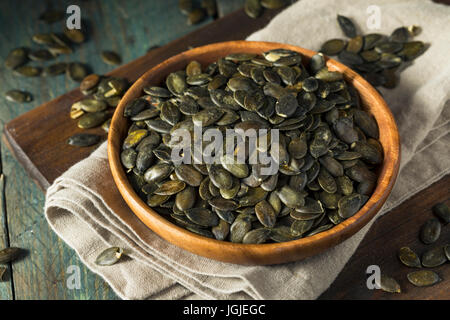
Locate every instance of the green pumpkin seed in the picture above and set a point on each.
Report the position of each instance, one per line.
(170, 187)
(54, 69)
(333, 47)
(111, 58)
(423, 278)
(273, 4)
(355, 44)
(349, 205)
(409, 258)
(442, 211)
(92, 120)
(253, 8)
(40, 55)
(74, 35)
(16, 58)
(434, 257)
(239, 229)
(389, 284)
(28, 71)
(221, 231)
(189, 175)
(196, 16)
(202, 217)
(76, 71)
(256, 236)
(52, 16)
(10, 254)
(411, 50)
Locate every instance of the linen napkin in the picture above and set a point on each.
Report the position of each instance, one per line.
(85, 209)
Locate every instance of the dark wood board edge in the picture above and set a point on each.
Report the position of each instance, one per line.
(24, 160)
(204, 35)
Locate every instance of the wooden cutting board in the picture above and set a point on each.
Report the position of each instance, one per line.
(38, 137)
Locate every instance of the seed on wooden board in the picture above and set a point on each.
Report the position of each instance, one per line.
(423, 278)
(430, 231)
(92, 120)
(202, 217)
(434, 257)
(409, 258)
(28, 71)
(256, 236)
(389, 284)
(10, 254)
(74, 35)
(76, 71)
(83, 139)
(18, 96)
(109, 256)
(442, 211)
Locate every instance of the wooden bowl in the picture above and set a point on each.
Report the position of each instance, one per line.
(255, 254)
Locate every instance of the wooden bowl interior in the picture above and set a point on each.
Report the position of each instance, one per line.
(271, 253)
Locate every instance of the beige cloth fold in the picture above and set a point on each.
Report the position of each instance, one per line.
(83, 205)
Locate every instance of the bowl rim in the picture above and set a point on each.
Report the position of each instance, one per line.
(268, 253)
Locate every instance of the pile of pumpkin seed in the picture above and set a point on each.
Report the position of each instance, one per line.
(434, 257)
(197, 14)
(377, 57)
(52, 45)
(327, 150)
(255, 8)
(102, 95)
